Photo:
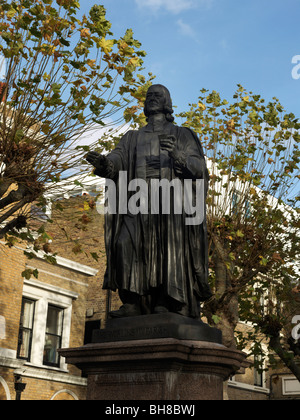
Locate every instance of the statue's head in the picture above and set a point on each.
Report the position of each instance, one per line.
(158, 100)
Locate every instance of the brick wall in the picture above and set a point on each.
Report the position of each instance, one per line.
(12, 263)
(64, 278)
(47, 390)
(237, 394)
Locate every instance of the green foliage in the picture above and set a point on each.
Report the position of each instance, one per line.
(66, 76)
(28, 273)
(253, 156)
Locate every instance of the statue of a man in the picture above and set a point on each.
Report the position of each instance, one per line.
(156, 261)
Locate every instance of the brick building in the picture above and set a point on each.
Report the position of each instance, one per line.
(38, 316)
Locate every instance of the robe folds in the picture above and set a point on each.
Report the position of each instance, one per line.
(148, 251)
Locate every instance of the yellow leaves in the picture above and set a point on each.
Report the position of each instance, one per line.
(230, 124)
(125, 49)
(263, 261)
(246, 98)
(46, 77)
(11, 13)
(48, 49)
(239, 234)
(130, 112)
(276, 257)
(123, 45)
(85, 33)
(135, 62)
(106, 45)
(86, 206)
(201, 106)
(48, 36)
(91, 63)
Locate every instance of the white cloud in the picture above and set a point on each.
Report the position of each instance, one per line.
(186, 29)
(172, 6)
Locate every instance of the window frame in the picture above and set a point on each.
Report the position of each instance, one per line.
(258, 376)
(22, 328)
(45, 294)
(58, 336)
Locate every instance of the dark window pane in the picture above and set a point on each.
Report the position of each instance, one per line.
(52, 343)
(53, 335)
(25, 329)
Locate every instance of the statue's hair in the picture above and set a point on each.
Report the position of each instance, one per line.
(168, 109)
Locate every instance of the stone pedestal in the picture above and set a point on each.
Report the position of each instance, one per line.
(170, 360)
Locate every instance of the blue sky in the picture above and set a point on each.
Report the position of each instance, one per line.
(215, 44)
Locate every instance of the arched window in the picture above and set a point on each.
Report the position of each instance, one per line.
(64, 394)
(4, 390)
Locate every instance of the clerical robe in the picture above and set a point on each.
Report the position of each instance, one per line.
(147, 251)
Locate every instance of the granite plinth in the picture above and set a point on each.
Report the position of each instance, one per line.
(155, 357)
(148, 327)
(156, 369)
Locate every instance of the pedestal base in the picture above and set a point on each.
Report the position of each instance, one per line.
(149, 327)
(156, 369)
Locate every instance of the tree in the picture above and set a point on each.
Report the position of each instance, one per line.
(253, 215)
(65, 76)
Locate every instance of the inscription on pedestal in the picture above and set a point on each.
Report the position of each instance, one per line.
(134, 332)
(145, 327)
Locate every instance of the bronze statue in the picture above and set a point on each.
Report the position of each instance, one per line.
(155, 259)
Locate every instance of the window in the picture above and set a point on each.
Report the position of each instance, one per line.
(258, 371)
(26, 329)
(45, 324)
(290, 385)
(53, 336)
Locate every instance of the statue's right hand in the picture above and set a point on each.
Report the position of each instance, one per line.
(95, 159)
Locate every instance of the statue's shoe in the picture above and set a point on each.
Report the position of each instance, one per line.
(126, 310)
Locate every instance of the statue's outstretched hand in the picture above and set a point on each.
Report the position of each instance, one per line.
(103, 166)
(95, 159)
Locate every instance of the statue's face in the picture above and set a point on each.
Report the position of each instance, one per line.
(155, 100)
